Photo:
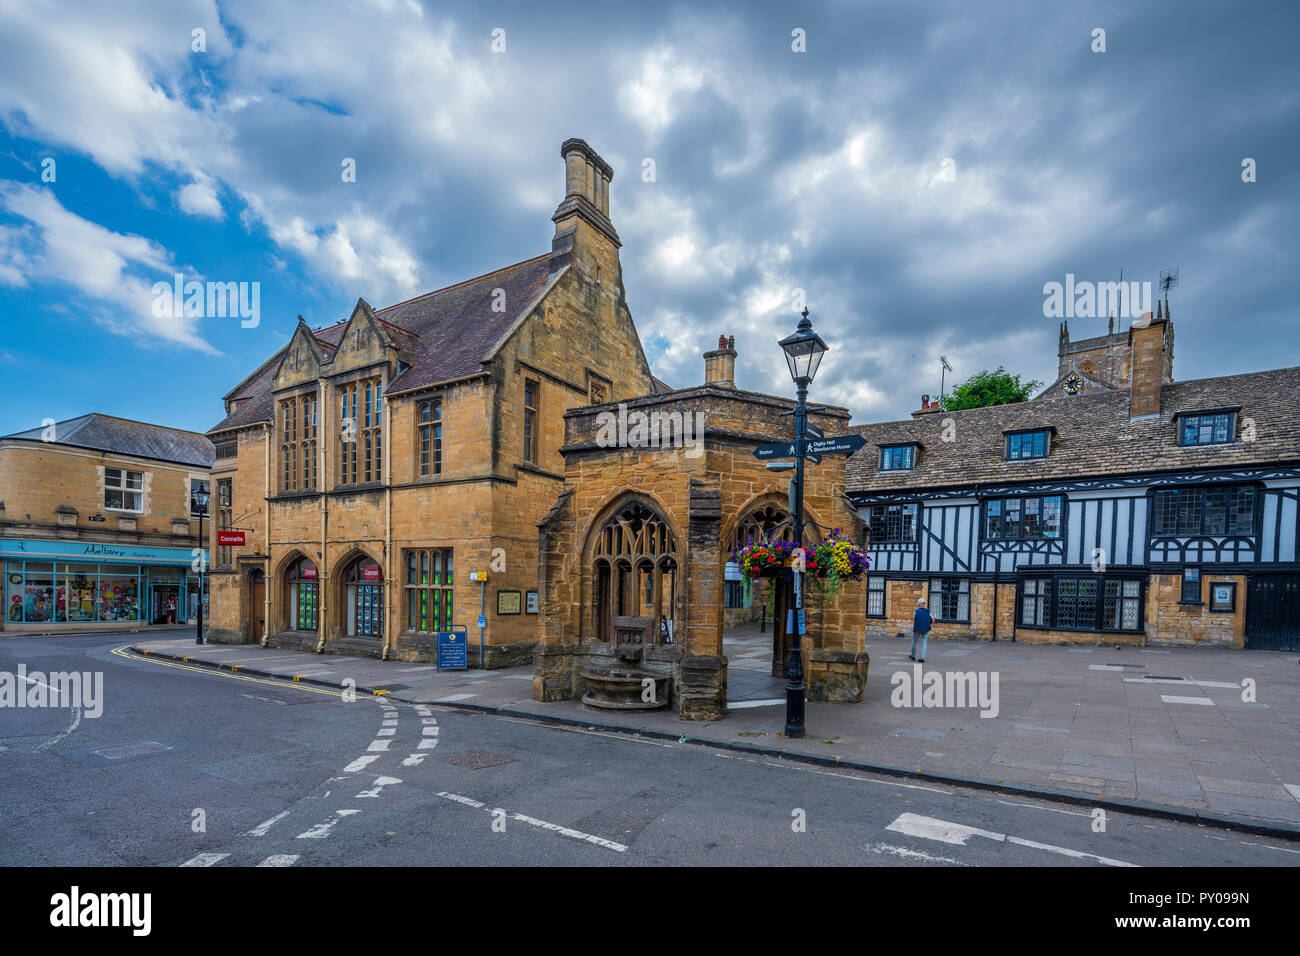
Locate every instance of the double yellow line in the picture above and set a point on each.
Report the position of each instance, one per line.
(125, 652)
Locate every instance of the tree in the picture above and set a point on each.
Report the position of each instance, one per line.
(986, 388)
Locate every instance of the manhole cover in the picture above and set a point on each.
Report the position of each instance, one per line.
(132, 750)
(477, 760)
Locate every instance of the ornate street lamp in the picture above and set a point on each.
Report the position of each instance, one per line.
(201, 501)
(804, 349)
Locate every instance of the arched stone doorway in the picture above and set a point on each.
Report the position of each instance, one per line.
(361, 599)
(768, 600)
(635, 573)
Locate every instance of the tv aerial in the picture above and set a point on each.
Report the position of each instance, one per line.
(1168, 279)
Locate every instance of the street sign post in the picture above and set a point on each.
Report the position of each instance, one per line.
(840, 445)
(812, 431)
(777, 449)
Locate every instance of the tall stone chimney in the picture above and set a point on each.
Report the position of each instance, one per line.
(582, 218)
(720, 364)
(1151, 344)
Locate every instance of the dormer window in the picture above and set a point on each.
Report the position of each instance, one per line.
(1213, 428)
(1028, 444)
(897, 457)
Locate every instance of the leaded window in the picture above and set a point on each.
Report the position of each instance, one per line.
(1033, 444)
(1035, 601)
(875, 596)
(950, 599)
(1081, 602)
(897, 457)
(1215, 429)
(1226, 509)
(361, 432)
(1013, 518)
(893, 523)
(430, 417)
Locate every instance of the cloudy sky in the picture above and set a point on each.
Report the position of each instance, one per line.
(919, 170)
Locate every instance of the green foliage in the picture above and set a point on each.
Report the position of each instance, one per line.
(986, 388)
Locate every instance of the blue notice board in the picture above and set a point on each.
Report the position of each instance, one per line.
(451, 649)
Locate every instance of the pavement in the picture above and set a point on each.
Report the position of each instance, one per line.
(1198, 735)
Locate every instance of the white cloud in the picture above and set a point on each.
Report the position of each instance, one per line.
(200, 199)
(114, 270)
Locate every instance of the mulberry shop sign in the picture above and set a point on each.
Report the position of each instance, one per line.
(71, 549)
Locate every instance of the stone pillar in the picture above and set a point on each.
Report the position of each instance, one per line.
(701, 673)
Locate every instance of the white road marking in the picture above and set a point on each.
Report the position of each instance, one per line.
(360, 763)
(742, 704)
(429, 732)
(280, 859)
(376, 745)
(907, 854)
(414, 760)
(1175, 699)
(391, 723)
(262, 828)
(428, 743)
(387, 731)
(322, 830)
(455, 697)
(76, 721)
(206, 859)
(1293, 789)
(1188, 682)
(1105, 667)
(541, 824)
(928, 828)
(380, 783)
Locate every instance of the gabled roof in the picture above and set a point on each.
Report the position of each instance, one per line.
(443, 335)
(126, 437)
(1094, 436)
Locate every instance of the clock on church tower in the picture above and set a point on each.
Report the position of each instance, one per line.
(1072, 384)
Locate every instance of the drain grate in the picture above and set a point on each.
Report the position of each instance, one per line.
(477, 759)
(1155, 677)
(132, 750)
(1137, 666)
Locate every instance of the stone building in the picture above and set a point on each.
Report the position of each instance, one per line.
(646, 524)
(378, 463)
(99, 529)
(1119, 507)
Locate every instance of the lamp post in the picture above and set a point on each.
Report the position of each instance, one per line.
(803, 349)
(201, 500)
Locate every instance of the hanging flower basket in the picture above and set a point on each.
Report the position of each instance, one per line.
(836, 560)
(764, 559)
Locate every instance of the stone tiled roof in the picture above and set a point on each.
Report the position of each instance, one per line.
(443, 335)
(1093, 436)
(125, 437)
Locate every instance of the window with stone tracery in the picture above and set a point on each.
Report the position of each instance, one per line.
(635, 565)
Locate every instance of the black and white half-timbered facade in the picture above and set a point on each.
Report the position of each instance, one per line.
(1117, 507)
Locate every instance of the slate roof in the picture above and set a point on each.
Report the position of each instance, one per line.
(125, 437)
(443, 335)
(1093, 436)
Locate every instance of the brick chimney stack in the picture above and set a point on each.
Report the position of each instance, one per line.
(720, 364)
(1151, 342)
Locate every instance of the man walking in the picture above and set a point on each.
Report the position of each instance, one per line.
(920, 629)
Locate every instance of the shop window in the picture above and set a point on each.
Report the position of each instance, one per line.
(302, 595)
(364, 596)
(123, 490)
(875, 596)
(430, 419)
(430, 580)
(950, 599)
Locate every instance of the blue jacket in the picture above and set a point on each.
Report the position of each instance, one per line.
(921, 621)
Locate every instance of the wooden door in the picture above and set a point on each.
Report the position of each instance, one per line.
(256, 606)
